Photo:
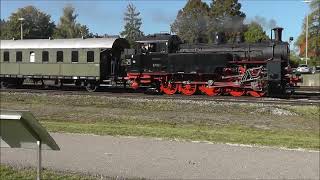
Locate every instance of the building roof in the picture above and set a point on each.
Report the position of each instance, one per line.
(107, 43)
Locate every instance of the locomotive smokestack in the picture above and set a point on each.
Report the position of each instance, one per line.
(278, 34)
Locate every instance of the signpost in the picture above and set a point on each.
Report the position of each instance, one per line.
(20, 129)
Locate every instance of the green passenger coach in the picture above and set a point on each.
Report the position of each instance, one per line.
(83, 62)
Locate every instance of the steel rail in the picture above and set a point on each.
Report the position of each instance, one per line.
(293, 100)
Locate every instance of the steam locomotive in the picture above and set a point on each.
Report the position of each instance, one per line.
(163, 62)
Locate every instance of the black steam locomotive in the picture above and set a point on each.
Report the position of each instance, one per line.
(163, 62)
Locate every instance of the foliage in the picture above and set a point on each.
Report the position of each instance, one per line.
(191, 22)
(197, 22)
(132, 24)
(294, 60)
(255, 33)
(4, 33)
(68, 26)
(313, 35)
(36, 24)
(225, 16)
(314, 61)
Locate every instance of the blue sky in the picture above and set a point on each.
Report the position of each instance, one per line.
(105, 16)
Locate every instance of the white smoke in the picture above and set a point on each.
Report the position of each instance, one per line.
(265, 23)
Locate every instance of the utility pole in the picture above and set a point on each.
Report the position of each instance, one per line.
(318, 29)
(307, 31)
(21, 27)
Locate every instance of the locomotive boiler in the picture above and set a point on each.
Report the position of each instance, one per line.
(163, 62)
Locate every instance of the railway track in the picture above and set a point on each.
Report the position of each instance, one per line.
(296, 99)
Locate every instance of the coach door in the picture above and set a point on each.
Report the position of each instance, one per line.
(116, 69)
(105, 63)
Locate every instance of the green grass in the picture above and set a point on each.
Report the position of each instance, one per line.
(222, 134)
(223, 122)
(10, 173)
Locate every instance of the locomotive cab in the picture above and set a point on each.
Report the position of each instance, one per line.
(158, 43)
(151, 53)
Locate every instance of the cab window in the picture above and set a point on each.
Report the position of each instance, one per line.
(152, 47)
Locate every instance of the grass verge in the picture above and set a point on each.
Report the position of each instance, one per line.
(246, 123)
(222, 134)
(10, 173)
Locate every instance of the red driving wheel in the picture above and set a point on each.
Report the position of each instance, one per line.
(169, 88)
(210, 91)
(236, 92)
(188, 89)
(256, 93)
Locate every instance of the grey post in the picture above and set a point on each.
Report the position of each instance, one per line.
(20, 129)
(39, 160)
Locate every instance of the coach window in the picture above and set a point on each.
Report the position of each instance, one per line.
(45, 56)
(74, 56)
(59, 56)
(18, 56)
(90, 56)
(6, 56)
(32, 56)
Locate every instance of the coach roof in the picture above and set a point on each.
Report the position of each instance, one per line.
(107, 43)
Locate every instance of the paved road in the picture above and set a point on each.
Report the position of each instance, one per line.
(151, 158)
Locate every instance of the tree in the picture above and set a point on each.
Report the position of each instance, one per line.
(132, 24)
(225, 16)
(68, 27)
(313, 35)
(222, 8)
(4, 33)
(36, 24)
(191, 23)
(197, 22)
(294, 60)
(254, 33)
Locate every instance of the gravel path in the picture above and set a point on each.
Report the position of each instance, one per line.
(152, 158)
